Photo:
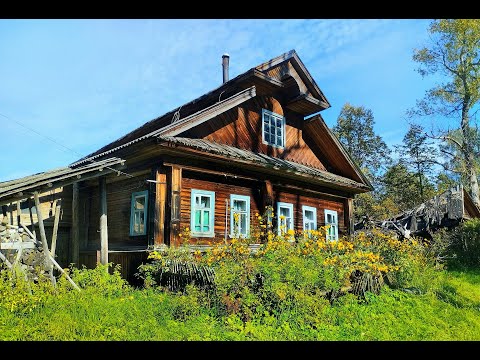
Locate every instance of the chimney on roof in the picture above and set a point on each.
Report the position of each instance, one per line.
(225, 60)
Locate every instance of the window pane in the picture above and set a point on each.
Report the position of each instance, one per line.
(240, 205)
(279, 131)
(266, 126)
(309, 215)
(140, 202)
(279, 140)
(206, 221)
(141, 225)
(205, 202)
(135, 222)
(243, 224)
(267, 137)
(284, 211)
(279, 123)
(329, 218)
(206, 217)
(197, 220)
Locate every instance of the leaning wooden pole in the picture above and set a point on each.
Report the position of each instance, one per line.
(103, 222)
(29, 203)
(48, 262)
(55, 230)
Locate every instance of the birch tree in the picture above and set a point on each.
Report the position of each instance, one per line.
(453, 55)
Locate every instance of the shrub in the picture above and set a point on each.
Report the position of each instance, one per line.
(464, 245)
(103, 279)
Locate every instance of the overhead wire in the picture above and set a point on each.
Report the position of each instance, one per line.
(65, 147)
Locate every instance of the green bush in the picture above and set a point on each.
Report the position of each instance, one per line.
(461, 245)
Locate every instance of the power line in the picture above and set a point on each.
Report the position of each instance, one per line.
(57, 143)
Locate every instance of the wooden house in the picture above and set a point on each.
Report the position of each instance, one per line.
(208, 166)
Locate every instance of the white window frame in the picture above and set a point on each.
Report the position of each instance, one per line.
(211, 194)
(276, 116)
(305, 220)
(334, 225)
(279, 221)
(133, 211)
(233, 231)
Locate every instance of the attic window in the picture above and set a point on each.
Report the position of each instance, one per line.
(273, 129)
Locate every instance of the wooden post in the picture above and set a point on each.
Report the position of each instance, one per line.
(19, 213)
(86, 221)
(176, 187)
(10, 207)
(267, 194)
(29, 203)
(267, 200)
(75, 225)
(55, 229)
(103, 221)
(48, 262)
(160, 203)
(348, 216)
(43, 237)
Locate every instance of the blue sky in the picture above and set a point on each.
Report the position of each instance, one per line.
(69, 87)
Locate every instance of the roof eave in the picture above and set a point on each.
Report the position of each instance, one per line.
(181, 149)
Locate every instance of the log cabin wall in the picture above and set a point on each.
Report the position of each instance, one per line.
(223, 187)
(119, 195)
(222, 196)
(242, 127)
(321, 204)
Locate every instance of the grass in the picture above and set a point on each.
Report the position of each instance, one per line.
(282, 293)
(451, 313)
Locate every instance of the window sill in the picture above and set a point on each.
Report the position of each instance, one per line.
(201, 235)
(273, 146)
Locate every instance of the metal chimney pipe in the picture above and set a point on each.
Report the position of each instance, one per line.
(225, 61)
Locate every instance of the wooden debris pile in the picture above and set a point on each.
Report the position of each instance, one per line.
(442, 211)
(19, 248)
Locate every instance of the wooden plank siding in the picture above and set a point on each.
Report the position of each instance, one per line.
(48, 202)
(284, 70)
(242, 128)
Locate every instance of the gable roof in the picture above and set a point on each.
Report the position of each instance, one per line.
(284, 72)
(302, 71)
(314, 101)
(185, 123)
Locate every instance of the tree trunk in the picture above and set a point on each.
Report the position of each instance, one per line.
(472, 176)
(468, 153)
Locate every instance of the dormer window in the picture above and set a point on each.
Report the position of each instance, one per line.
(273, 129)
